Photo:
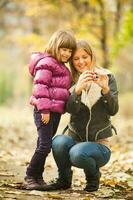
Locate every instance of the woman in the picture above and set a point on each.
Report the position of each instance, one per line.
(93, 99)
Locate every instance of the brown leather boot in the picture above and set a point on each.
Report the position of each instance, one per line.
(31, 183)
(40, 181)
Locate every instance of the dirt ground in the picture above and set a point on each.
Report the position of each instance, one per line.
(17, 143)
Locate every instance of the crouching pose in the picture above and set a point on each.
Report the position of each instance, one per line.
(93, 99)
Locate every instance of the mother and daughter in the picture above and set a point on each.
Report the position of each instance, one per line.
(92, 99)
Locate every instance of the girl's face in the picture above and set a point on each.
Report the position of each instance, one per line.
(64, 54)
(81, 60)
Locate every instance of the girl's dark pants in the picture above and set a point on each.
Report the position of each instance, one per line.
(44, 142)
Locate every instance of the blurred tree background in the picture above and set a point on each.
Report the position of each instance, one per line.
(26, 26)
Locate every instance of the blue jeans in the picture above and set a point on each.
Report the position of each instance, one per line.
(89, 156)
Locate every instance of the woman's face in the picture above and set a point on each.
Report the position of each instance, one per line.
(81, 60)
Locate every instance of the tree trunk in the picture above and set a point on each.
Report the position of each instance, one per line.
(104, 35)
(117, 17)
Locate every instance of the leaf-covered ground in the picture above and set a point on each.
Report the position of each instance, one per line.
(17, 142)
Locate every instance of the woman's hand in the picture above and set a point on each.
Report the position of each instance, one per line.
(45, 118)
(103, 81)
(83, 80)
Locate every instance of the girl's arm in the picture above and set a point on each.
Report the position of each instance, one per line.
(42, 81)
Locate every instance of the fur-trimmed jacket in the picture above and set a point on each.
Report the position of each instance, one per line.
(91, 111)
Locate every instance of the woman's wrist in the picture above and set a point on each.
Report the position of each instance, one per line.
(105, 90)
(78, 91)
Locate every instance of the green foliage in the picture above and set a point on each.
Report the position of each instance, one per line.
(31, 41)
(26, 26)
(125, 36)
(128, 34)
(6, 86)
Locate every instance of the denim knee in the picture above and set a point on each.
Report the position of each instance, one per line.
(77, 157)
(81, 160)
(61, 143)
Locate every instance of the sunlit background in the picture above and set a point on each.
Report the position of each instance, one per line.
(26, 26)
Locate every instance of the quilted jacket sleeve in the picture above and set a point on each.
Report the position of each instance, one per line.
(41, 85)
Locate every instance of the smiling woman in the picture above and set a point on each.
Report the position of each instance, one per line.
(82, 60)
(93, 99)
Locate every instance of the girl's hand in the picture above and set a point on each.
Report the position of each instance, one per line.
(45, 118)
(103, 81)
(83, 80)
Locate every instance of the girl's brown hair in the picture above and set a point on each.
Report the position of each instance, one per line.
(60, 39)
(82, 44)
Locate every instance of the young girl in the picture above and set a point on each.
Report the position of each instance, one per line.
(93, 100)
(50, 92)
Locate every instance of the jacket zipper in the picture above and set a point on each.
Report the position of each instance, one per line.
(87, 127)
(87, 131)
(89, 107)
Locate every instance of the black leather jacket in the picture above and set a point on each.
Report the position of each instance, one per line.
(92, 124)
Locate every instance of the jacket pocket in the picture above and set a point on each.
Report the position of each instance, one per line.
(104, 132)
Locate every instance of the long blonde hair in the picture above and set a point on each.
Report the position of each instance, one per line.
(82, 44)
(60, 39)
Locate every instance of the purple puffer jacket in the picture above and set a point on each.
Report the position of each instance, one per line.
(52, 81)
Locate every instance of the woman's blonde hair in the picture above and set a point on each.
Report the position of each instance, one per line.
(60, 39)
(82, 44)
